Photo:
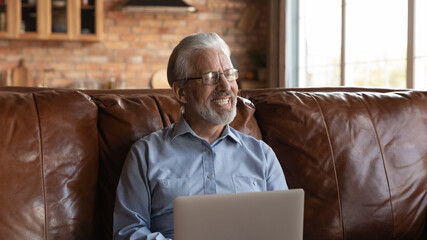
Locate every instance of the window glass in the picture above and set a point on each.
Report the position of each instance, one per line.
(319, 43)
(420, 63)
(376, 43)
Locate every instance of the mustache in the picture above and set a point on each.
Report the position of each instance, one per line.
(222, 94)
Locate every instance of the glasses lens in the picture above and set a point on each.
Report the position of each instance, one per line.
(210, 78)
(213, 77)
(231, 74)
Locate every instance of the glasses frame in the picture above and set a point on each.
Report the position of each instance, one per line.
(209, 75)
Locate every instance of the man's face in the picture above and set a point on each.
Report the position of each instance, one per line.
(213, 103)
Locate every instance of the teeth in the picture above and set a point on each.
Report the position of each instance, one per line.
(221, 101)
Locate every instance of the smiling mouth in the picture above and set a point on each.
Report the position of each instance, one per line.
(222, 102)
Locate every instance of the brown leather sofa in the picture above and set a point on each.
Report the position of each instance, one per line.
(359, 154)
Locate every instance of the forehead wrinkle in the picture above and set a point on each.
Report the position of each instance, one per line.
(224, 64)
(212, 60)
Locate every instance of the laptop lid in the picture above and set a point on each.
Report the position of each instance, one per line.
(273, 215)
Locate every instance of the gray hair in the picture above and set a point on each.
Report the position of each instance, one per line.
(179, 65)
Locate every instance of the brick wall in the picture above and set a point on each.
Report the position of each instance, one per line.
(136, 45)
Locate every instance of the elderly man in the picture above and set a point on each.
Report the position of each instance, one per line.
(200, 154)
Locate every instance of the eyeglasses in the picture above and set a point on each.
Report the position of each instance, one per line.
(211, 78)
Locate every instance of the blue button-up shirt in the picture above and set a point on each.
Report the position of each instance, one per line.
(176, 162)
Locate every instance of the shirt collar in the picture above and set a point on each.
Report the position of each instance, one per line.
(181, 127)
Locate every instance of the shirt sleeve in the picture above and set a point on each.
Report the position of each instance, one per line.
(131, 219)
(275, 177)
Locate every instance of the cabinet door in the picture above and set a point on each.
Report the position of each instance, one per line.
(75, 19)
(29, 23)
(8, 9)
(60, 19)
(90, 16)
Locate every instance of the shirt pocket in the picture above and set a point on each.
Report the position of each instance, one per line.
(165, 191)
(248, 184)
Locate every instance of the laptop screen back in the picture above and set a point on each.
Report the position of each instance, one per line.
(244, 216)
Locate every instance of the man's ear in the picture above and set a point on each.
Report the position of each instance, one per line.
(179, 92)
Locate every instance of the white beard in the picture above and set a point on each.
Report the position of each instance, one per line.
(224, 116)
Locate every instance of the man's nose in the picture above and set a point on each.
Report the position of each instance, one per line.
(223, 83)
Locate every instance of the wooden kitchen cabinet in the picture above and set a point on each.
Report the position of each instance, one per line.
(53, 19)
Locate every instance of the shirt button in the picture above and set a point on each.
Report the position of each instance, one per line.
(164, 183)
(254, 183)
(209, 175)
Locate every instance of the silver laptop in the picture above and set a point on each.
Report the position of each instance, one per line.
(273, 215)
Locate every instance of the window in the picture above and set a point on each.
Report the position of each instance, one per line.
(420, 61)
(319, 43)
(360, 43)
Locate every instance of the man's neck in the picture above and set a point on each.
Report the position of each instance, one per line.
(208, 131)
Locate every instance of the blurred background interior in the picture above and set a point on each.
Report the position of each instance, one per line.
(275, 43)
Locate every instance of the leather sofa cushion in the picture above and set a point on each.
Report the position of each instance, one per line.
(361, 158)
(48, 173)
(125, 118)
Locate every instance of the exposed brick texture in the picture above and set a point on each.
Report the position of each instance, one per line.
(136, 45)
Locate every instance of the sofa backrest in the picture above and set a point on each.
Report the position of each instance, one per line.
(48, 165)
(359, 154)
(361, 158)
